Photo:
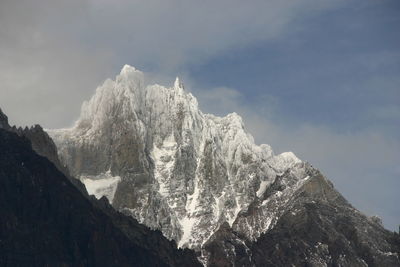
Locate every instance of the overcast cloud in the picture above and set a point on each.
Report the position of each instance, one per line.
(53, 50)
(53, 54)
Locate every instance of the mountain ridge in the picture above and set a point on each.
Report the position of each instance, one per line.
(194, 176)
(144, 112)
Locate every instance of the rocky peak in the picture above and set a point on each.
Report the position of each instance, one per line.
(178, 84)
(162, 147)
(183, 172)
(128, 69)
(132, 77)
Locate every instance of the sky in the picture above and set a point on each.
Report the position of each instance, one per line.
(320, 78)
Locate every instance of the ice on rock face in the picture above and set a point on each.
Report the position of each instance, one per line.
(176, 169)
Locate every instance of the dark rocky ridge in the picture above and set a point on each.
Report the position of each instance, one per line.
(43, 145)
(46, 221)
(40, 141)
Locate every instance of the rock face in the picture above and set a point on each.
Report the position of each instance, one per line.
(198, 178)
(46, 221)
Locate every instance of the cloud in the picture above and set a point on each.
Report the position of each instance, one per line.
(54, 53)
(390, 112)
(175, 33)
(44, 74)
(219, 100)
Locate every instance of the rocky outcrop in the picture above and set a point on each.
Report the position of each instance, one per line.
(46, 221)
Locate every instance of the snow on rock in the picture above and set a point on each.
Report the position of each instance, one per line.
(177, 169)
(284, 161)
(164, 162)
(261, 190)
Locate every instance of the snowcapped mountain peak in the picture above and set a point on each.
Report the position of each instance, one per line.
(163, 161)
(127, 68)
(131, 78)
(198, 178)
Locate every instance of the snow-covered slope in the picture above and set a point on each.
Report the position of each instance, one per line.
(180, 170)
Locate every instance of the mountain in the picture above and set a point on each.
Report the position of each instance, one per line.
(202, 181)
(46, 221)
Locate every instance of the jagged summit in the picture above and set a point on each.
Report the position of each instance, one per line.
(194, 176)
(131, 74)
(177, 150)
(128, 68)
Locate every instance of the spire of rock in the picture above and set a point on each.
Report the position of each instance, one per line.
(178, 84)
